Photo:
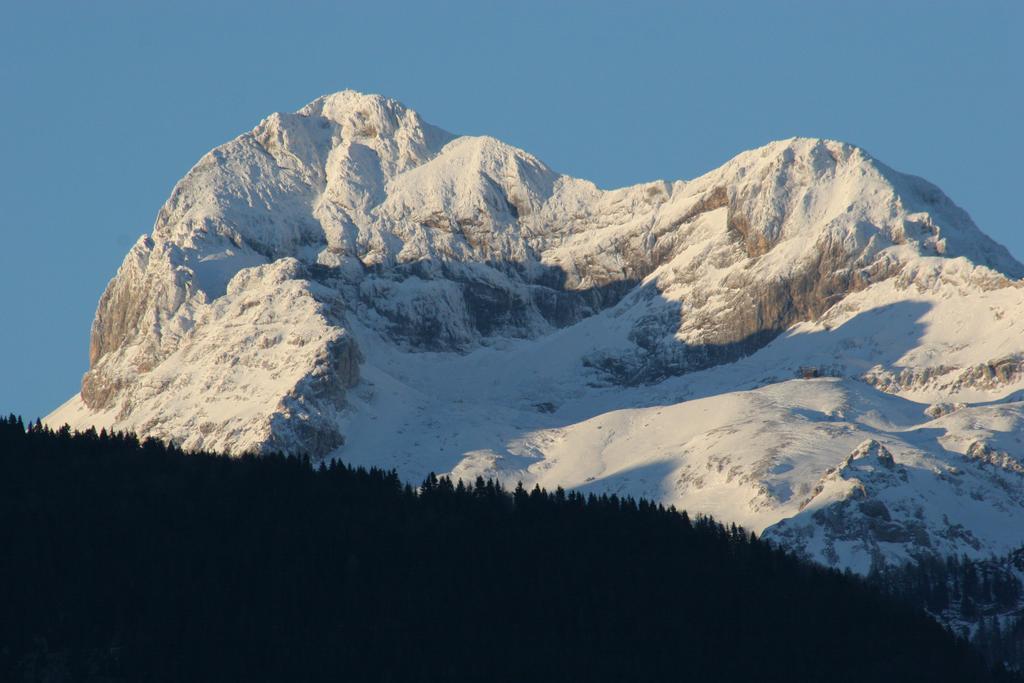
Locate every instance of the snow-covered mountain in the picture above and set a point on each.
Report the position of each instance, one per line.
(803, 341)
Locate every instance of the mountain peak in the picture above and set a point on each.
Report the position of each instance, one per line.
(344, 103)
(843, 194)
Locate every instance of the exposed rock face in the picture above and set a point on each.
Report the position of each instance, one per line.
(266, 360)
(940, 409)
(350, 280)
(983, 453)
(856, 513)
(994, 374)
(872, 452)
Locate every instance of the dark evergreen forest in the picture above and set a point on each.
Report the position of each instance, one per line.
(133, 562)
(981, 599)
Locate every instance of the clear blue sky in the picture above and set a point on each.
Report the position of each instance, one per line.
(105, 105)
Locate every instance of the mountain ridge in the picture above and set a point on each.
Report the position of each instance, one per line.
(351, 281)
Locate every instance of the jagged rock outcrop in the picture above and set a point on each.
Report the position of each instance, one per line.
(860, 513)
(981, 452)
(993, 374)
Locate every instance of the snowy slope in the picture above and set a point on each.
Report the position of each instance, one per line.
(803, 341)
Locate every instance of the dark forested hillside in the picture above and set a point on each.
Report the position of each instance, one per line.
(129, 562)
(981, 599)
